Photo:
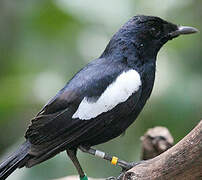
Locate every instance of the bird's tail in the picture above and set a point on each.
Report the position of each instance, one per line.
(15, 160)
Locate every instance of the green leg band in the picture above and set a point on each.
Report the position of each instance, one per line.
(84, 178)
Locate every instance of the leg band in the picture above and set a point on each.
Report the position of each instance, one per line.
(114, 160)
(84, 178)
(99, 154)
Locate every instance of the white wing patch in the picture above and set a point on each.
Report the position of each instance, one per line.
(119, 91)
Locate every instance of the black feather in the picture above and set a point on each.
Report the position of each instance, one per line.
(15, 160)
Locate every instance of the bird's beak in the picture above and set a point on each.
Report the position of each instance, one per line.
(183, 30)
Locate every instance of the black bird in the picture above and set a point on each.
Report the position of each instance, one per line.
(101, 101)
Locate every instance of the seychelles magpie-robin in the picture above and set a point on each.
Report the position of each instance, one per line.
(101, 101)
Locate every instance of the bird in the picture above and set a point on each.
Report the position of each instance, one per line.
(101, 101)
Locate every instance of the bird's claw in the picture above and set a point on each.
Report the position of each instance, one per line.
(129, 166)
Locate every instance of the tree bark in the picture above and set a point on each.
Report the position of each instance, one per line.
(155, 141)
(181, 162)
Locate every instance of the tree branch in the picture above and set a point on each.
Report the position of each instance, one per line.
(182, 161)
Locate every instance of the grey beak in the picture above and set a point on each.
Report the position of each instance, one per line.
(184, 30)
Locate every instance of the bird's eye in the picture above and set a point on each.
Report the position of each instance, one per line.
(154, 32)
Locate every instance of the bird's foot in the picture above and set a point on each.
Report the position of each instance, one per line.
(130, 165)
(126, 167)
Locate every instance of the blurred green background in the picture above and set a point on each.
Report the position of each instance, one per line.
(42, 45)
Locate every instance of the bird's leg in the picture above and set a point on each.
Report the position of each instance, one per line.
(72, 156)
(114, 160)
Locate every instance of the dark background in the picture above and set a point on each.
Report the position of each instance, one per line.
(42, 45)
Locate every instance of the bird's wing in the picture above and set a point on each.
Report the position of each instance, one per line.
(63, 119)
(90, 82)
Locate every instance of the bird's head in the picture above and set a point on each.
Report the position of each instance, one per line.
(147, 34)
(151, 30)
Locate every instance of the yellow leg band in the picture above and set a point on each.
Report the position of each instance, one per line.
(114, 160)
